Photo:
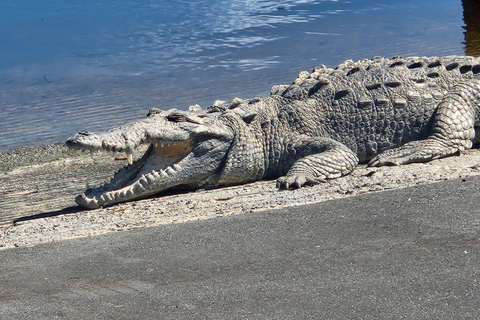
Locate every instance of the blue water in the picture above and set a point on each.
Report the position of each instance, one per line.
(137, 37)
(67, 66)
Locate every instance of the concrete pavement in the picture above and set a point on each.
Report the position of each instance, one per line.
(412, 253)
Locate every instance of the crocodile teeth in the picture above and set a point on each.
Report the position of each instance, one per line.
(150, 178)
(163, 174)
(108, 196)
(91, 203)
(143, 181)
(129, 157)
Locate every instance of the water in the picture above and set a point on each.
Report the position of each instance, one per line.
(67, 66)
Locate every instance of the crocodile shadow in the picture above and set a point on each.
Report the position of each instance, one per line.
(77, 209)
(68, 210)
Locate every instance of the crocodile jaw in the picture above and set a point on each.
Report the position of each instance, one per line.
(163, 166)
(157, 170)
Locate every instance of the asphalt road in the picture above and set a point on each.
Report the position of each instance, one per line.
(412, 253)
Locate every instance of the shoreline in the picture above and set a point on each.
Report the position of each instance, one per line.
(38, 186)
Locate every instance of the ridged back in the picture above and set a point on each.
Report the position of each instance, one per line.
(376, 104)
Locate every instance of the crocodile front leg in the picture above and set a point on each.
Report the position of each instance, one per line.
(453, 129)
(317, 159)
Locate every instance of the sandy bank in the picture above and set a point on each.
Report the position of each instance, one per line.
(38, 186)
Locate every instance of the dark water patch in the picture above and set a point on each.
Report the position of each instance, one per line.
(471, 14)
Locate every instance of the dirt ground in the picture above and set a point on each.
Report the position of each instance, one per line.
(38, 187)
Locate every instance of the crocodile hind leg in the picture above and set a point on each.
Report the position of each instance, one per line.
(453, 129)
(317, 159)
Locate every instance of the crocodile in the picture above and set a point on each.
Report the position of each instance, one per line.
(378, 111)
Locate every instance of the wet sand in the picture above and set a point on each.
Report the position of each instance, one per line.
(38, 186)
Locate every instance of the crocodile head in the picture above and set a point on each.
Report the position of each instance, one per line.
(186, 149)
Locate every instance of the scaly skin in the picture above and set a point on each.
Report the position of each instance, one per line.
(320, 127)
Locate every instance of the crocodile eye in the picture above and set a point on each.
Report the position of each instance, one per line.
(176, 117)
(181, 117)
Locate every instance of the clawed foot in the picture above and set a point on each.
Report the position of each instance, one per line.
(297, 181)
(380, 161)
(415, 151)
